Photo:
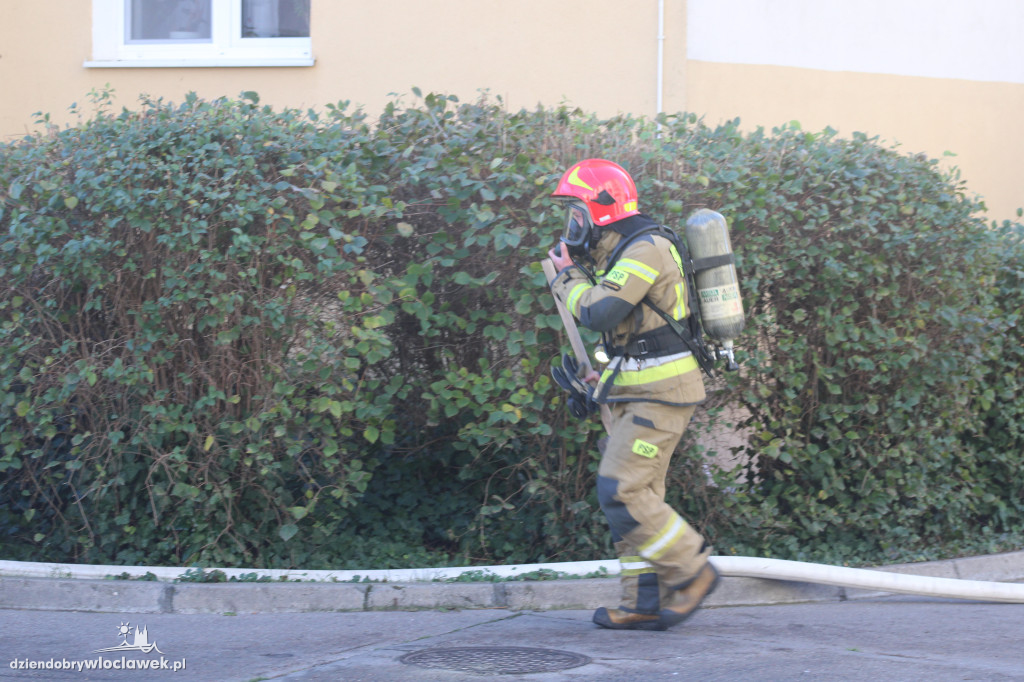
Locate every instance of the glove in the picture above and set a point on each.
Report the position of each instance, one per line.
(581, 403)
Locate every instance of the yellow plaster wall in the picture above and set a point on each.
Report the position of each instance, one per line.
(979, 122)
(594, 54)
(527, 52)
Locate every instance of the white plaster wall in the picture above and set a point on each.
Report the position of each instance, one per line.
(979, 40)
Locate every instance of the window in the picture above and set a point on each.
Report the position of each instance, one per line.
(155, 33)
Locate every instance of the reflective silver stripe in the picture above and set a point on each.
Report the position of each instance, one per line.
(635, 565)
(666, 537)
(635, 364)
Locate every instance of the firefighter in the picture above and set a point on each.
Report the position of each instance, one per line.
(652, 384)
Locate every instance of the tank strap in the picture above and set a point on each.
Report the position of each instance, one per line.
(702, 264)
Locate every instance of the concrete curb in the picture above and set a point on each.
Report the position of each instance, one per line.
(133, 596)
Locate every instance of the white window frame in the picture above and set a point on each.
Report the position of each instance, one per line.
(227, 48)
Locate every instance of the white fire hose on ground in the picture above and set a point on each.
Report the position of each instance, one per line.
(727, 566)
(867, 579)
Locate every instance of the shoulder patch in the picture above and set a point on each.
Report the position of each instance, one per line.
(615, 277)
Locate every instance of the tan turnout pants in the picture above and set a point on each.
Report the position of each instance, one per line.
(658, 551)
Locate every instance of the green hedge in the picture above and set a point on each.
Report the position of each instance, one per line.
(239, 336)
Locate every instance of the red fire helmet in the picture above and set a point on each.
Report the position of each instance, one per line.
(605, 188)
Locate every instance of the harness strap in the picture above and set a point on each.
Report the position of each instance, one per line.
(651, 344)
(704, 357)
(689, 335)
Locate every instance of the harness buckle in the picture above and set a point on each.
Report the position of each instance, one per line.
(641, 345)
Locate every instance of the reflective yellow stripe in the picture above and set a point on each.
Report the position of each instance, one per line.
(678, 260)
(679, 312)
(633, 267)
(649, 375)
(657, 546)
(573, 304)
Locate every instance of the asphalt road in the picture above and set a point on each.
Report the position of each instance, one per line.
(751, 629)
(887, 638)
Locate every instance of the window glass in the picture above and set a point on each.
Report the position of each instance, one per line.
(200, 33)
(275, 18)
(167, 20)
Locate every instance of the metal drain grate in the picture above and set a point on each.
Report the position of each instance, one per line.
(496, 660)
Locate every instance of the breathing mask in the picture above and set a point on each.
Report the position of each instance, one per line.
(580, 234)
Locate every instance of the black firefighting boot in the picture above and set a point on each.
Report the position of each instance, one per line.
(619, 619)
(686, 599)
(639, 607)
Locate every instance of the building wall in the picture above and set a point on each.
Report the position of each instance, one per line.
(527, 52)
(928, 76)
(932, 76)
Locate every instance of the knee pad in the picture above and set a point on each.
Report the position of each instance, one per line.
(619, 518)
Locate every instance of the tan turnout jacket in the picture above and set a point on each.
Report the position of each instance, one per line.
(651, 267)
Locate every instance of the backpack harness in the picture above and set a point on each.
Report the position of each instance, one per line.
(666, 340)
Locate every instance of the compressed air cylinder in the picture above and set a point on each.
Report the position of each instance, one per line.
(718, 287)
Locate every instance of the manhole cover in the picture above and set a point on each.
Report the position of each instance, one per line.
(496, 660)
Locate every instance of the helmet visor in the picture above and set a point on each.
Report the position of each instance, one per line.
(577, 226)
